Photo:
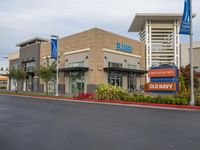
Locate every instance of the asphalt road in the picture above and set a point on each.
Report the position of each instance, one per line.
(36, 124)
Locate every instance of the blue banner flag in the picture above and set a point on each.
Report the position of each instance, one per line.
(54, 47)
(185, 24)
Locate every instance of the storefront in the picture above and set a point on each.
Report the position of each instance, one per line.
(93, 57)
(3, 82)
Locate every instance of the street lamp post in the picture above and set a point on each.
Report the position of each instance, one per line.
(192, 101)
(187, 29)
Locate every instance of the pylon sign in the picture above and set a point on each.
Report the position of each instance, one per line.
(163, 79)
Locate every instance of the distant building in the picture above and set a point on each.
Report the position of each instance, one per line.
(27, 59)
(3, 82)
(185, 55)
(13, 62)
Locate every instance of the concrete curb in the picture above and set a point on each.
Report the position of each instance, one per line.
(117, 103)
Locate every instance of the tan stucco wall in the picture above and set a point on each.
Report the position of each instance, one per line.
(184, 54)
(94, 39)
(13, 56)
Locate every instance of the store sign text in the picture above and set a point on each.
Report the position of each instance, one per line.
(124, 47)
(161, 86)
(164, 72)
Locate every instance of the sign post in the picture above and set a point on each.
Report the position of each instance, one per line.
(186, 28)
(54, 55)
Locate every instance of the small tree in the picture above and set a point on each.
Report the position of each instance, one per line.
(185, 72)
(46, 73)
(17, 74)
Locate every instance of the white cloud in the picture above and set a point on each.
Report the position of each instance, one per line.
(22, 19)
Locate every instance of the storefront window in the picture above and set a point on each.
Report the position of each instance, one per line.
(30, 66)
(76, 82)
(113, 64)
(130, 66)
(52, 86)
(77, 64)
(115, 79)
(132, 82)
(29, 84)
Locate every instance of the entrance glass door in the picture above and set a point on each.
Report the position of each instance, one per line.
(115, 79)
(132, 82)
(76, 82)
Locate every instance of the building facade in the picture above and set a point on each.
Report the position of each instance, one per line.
(27, 59)
(93, 57)
(160, 33)
(13, 62)
(185, 55)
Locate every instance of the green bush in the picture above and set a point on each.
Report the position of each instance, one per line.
(148, 99)
(111, 92)
(197, 99)
(184, 102)
(2, 87)
(158, 99)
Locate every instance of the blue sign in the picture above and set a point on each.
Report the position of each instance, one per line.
(185, 24)
(124, 47)
(54, 47)
(166, 79)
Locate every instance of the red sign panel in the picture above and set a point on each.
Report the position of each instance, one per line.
(161, 86)
(163, 72)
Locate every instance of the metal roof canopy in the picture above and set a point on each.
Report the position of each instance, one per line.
(74, 69)
(140, 19)
(31, 41)
(126, 70)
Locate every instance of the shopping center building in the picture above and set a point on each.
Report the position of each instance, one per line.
(93, 57)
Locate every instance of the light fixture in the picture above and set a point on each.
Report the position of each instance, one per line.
(91, 69)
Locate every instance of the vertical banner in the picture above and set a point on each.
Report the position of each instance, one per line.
(185, 23)
(54, 47)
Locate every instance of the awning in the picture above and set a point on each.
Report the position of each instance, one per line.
(3, 78)
(74, 69)
(124, 70)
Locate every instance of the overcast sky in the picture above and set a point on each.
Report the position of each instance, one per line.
(24, 19)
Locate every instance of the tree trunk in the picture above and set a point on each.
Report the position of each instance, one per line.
(47, 87)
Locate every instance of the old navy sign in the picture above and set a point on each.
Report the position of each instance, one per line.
(161, 86)
(162, 72)
(124, 47)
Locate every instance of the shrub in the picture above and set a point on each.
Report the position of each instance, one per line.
(110, 92)
(158, 99)
(148, 99)
(140, 98)
(2, 87)
(178, 101)
(184, 102)
(197, 100)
